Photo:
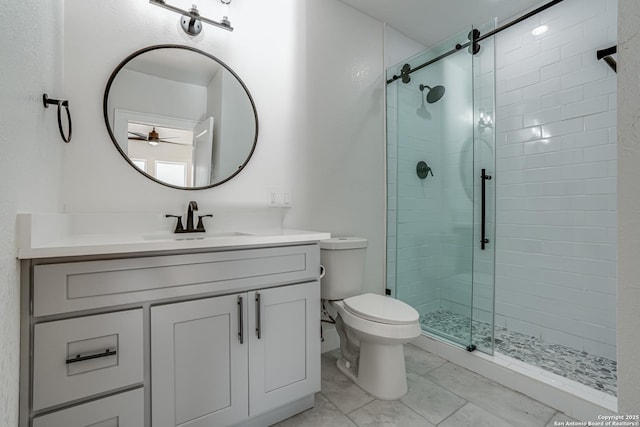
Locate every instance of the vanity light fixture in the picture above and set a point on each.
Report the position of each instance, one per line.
(191, 20)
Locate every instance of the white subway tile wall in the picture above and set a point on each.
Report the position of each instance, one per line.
(556, 177)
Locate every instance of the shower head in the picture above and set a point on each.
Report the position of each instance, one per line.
(434, 94)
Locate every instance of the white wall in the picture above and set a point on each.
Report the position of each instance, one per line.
(31, 160)
(238, 134)
(214, 109)
(339, 177)
(265, 55)
(628, 208)
(556, 180)
(398, 47)
(322, 142)
(144, 93)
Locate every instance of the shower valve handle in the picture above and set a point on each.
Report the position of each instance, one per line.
(423, 170)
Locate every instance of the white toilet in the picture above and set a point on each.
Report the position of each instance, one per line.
(372, 328)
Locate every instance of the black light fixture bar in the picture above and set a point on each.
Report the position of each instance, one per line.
(476, 37)
(162, 3)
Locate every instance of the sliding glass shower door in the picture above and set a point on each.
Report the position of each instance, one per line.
(435, 161)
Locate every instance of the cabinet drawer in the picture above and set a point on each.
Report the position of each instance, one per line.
(60, 288)
(120, 410)
(70, 359)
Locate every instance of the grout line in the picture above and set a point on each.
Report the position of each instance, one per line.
(451, 414)
(361, 406)
(552, 415)
(415, 412)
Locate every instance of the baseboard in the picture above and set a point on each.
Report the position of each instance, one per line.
(279, 414)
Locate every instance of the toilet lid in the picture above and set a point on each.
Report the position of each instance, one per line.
(381, 309)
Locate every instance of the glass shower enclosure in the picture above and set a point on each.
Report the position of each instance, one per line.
(440, 189)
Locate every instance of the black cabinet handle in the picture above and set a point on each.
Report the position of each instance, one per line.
(240, 321)
(485, 178)
(80, 358)
(258, 328)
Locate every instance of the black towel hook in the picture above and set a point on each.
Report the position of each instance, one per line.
(60, 103)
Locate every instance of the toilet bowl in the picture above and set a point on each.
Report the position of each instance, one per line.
(380, 367)
(372, 328)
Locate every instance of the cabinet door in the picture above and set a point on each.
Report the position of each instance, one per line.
(284, 345)
(198, 362)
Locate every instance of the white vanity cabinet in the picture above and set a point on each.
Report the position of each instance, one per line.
(218, 361)
(205, 338)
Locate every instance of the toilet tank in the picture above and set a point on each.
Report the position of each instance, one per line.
(343, 262)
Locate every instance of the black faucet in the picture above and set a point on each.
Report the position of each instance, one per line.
(193, 206)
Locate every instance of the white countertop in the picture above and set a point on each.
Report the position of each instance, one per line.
(48, 237)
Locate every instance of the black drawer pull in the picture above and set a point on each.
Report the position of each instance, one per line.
(80, 358)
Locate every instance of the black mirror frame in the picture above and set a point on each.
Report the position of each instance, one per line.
(175, 46)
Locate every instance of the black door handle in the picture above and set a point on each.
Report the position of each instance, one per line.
(483, 238)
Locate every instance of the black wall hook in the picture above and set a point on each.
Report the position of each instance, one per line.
(60, 103)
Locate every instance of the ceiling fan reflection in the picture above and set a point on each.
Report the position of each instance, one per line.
(153, 138)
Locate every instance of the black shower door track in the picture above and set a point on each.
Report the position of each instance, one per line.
(475, 37)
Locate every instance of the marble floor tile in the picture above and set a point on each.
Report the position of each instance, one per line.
(420, 361)
(430, 400)
(387, 413)
(513, 407)
(560, 418)
(473, 416)
(323, 414)
(339, 389)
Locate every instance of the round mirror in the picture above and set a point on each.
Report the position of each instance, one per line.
(180, 116)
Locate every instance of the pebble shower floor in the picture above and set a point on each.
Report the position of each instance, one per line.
(596, 372)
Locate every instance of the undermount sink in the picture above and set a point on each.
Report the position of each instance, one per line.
(195, 236)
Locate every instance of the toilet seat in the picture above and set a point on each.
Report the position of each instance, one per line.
(381, 309)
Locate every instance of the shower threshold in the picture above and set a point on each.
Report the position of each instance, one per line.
(598, 373)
